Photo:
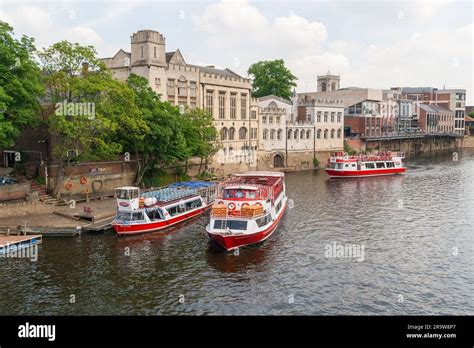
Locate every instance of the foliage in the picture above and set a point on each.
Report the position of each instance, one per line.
(272, 77)
(20, 84)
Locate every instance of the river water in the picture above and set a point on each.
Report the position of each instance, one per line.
(414, 233)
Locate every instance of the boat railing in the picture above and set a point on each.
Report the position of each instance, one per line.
(262, 192)
(250, 212)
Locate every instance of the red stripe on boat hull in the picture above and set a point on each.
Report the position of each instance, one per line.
(362, 173)
(233, 242)
(133, 229)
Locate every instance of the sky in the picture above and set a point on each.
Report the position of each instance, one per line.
(375, 44)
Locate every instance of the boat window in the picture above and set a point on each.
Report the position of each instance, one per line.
(346, 165)
(263, 220)
(137, 216)
(237, 224)
(380, 165)
(251, 194)
(172, 210)
(123, 215)
(193, 204)
(339, 165)
(390, 164)
(353, 165)
(155, 215)
(370, 165)
(333, 165)
(277, 208)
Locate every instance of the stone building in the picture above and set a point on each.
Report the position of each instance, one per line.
(328, 82)
(435, 119)
(224, 93)
(294, 133)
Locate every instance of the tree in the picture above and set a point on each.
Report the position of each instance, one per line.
(74, 77)
(20, 84)
(272, 77)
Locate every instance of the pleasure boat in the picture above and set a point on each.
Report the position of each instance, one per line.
(341, 165)
(141, 212)
(248, 209)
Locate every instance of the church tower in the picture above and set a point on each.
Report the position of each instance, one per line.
(148, 48)
(328, 82)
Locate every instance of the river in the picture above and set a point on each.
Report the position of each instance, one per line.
(415, 234)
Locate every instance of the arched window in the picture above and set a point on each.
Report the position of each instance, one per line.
(302, 134)
(272, 134)
(333, 86)
(265, 134)
(224, 133)
(279, 134)
(325, 134)
(308, 134)
(289, 134)
(323, 87)
(332, 133)
(231, 133)
(339, 133)
(243, 133)
(295, 135)
(270, 119)
(318, 134)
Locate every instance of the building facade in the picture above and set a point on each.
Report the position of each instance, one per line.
(225, 94)
(435, 119)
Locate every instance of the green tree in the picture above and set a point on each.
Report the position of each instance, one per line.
(74, 76)
(272, 77)
(20, 84)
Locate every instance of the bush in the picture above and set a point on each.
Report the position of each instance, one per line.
(315, 162)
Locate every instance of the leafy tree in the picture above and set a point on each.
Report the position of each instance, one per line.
(73, 75)
(272, 77)
(20, 84)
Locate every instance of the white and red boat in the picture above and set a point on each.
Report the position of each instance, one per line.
(341, 165)
(248, 209)
(159, 209)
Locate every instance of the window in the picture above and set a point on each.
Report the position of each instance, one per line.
(333, 114)
(277, 119)
(231, 133)
(182, 89)
(308, 134)
(192, 88)
(223, 133)
(221, 105)
(289, 134)
(264, 119)
(295, 135)
(390, 165)
(325, 134)
(231, 224)
(209, 101)
(171, 87)
(254, 114)
(332, 133)
(233, 103)
(279, 134)
(155, 215)
(157, 82)
(339, 133)
(137, 216)
(243, 106)
(272, 134)
(302, 134)
(253, 133)
(142, 52)
(243, 133)
(380, 164)
(154, 50)
(265, 134)
(270, 119)
(318, 117)
(318, 134)
(263, 221)
(326, 116)
(196, 203)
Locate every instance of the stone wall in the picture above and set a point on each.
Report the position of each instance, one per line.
(23, 208)
(14, 191)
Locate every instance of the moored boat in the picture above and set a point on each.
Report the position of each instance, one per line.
(341, 165)
(248, 209)
(141, 212)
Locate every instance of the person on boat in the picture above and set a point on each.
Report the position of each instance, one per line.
(239, 194)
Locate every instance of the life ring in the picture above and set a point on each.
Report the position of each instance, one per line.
(244, 205)
(83, 180)
(231, 206)
(259, 204)
(69, 186)
(220, 202)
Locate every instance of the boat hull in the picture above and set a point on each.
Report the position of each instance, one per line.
(231, 242)
(364, 173)
(134, 229)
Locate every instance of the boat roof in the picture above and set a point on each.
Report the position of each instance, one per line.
(127, 188)
(262, 173)
(240, 187)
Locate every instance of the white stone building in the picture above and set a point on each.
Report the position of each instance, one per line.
(225, 94)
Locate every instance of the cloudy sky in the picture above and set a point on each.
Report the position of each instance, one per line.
(377, 44)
